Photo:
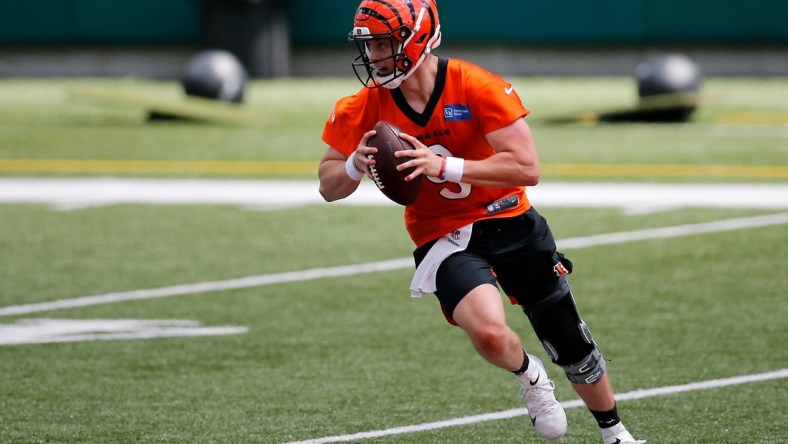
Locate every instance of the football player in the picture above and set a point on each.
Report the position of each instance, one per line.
(472, 224)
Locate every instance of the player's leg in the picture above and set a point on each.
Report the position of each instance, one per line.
(568, 342)
(536, 280)
(469, 297)
(601, 403)
(481, 316)
(471, 300)
(597, 397)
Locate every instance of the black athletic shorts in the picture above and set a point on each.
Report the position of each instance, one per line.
(519, 253)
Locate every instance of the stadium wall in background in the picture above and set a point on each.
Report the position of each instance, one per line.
(274, 37)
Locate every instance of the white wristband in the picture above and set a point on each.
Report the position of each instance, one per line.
(352, 170)
(454, 168)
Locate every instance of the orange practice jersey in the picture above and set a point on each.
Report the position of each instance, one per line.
(468, 103)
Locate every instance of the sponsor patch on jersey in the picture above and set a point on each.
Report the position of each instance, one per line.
(456, 112)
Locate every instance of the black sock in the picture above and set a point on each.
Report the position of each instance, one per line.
(526, 362)
(606, 419)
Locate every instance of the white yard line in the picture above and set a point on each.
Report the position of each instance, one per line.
(674, 231)
(73, 194)
(204, 287)
(372, 267)
(506, 414)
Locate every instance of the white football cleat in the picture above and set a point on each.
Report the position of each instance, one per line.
(618, 434)
(547, 415)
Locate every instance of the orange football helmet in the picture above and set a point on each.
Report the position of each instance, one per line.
(412, 29)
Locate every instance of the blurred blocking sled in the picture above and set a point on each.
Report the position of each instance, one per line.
(188, 108)
(213, 83)
(668, 91)
(661, 108)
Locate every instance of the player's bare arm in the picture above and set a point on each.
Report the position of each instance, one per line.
(335, 183)
(514, 163)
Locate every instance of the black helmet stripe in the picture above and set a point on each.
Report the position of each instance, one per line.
(397, 14)
(412, 10)
(374, 14)
(393, 9)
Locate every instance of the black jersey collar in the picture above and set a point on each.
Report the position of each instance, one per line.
(422, 119)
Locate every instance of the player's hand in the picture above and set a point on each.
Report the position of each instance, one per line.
(424, 161)
(361, 156)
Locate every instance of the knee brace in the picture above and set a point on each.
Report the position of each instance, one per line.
(587, 371)
(567, 339)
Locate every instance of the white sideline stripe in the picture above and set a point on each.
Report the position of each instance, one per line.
(204, 287)
(372, 267)
(506, 414)
(675, 231)
(633, 198)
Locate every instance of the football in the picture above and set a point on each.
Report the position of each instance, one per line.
(384, 173)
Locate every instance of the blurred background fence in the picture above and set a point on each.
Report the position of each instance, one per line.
(308, 37)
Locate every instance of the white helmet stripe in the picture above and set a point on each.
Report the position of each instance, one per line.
(417, 25)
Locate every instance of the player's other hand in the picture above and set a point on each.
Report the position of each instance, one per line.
(423, 160)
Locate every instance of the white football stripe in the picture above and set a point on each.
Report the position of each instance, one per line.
(372, 267)
(204, 287)
(270, 194)
(506, 414)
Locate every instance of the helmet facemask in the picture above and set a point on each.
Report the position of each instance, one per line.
(368, 70)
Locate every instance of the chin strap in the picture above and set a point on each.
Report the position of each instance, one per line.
(397, 81)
